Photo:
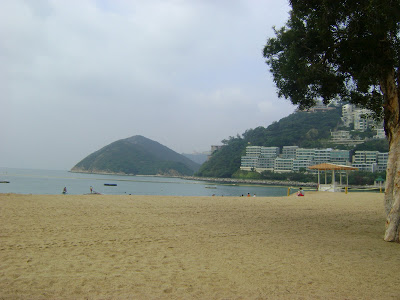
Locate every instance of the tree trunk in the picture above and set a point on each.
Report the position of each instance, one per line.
(392, 193)
(392, 127)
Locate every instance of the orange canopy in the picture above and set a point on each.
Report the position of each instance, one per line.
(327, 166)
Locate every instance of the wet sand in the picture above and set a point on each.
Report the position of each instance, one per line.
(321, 246)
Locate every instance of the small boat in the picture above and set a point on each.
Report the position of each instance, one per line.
(4, 181)
(110, 184)
(210, 187)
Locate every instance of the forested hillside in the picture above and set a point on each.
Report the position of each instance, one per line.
(224, 162)
(303, 129)
(136, 155)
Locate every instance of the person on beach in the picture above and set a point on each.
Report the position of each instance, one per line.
(248, 194)
(300, 192)
(64, 190)
(91, 189)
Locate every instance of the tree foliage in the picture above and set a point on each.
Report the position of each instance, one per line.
(380, 145)
(302, 129)
(336, 49)
(224, 162)
(348, 50)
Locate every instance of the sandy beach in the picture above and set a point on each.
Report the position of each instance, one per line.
(321, 246)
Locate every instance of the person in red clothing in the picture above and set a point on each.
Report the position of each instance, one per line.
(300, 192)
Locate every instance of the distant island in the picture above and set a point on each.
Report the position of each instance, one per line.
(136, 155)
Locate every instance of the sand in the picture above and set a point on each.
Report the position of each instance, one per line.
(321, 246)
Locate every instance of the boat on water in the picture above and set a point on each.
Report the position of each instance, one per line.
(3, 181)
(110, 184)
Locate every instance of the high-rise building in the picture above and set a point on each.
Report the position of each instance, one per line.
(362, 121)
(347, 115)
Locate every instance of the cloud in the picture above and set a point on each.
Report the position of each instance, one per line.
(77, 75)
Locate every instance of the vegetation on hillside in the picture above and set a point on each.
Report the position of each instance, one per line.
(303, 129)
(224, 162)
(136, 155)
(308, 130)
(381, 145)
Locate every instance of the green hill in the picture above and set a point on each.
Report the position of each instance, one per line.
(136, 155)
(303, 129)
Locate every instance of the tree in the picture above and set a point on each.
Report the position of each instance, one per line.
(347, 50)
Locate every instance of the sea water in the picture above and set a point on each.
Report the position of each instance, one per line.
(52, 182)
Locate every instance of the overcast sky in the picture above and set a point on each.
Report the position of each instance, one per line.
(78, 75)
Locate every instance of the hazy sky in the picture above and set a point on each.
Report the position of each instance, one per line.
(78, 75)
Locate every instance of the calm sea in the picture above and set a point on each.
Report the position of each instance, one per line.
(24, 181)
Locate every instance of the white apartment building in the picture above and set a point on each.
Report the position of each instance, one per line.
(367, 157)
(299, 164)
(382, 161)
(289, 151)
(366, 167)
(341, 157)
(304, 158)
(366, 160)
(341, 135)
(270, 152)
(261, 159)
(359, 117)
(347, 115)
(253, 151)
(248, 162)
(380, 133)
(305, 154)
(322, 156)
(216, 147)
(361, 120)
(283, 164)
(265, 164)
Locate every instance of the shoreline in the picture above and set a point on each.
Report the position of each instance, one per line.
(211, 179)
(251, 181)
(238, 181)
